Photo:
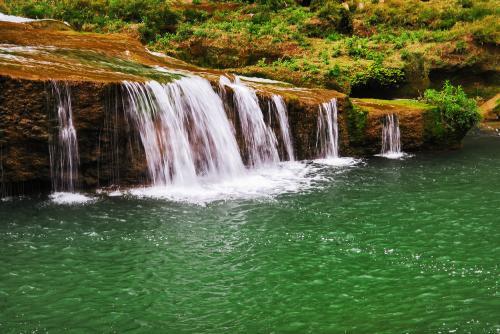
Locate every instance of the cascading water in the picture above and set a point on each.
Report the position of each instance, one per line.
(327, 136)
(391, 138)
(184, 130)
(281, 111)
(64, 158)
(190, 145)
(260, 142)
(327, 132)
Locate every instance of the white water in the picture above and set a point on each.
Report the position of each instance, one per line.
(391, 138)
(260, 183)
(260, 141)
(327, 132)
(282, 114)
(70, 198)
(184, 130)
(64, 157)
(191, 149)
(14, 19)
(327, 137)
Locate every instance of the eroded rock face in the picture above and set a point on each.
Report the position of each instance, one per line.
(110, 151)
(93, 67)
(411, 123)
(24, 135)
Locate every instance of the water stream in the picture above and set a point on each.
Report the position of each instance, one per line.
(391, 138)
(328, 130)
(184, 131)
(282, 115)
(63, 150)
(327, 136)
(260, 141)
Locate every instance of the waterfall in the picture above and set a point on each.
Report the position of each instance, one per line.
(64, 158)
(327, 131)
(260, 141)
(184, 130)
(391, 139)
(281, 112)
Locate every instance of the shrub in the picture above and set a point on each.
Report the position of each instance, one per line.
(461, 47)
(157, 20)
(378, 76)
(273, 4)
(357, 47)
(465, 3)
(337, 16)
(459, 112)
(336, 52)
(334, 36)
(195, 15)
(334, 71)
(486, 31)
(405, 54)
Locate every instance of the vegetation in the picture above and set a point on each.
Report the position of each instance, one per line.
(458, 112)
(151, 17)
(355, 46)
(356, 123)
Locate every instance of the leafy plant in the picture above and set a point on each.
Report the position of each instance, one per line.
(459, 112)
(377, 75)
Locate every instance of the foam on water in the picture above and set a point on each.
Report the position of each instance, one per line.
(264, 182)
(338, 162)
(115, 193)
(391, 138)
(394, 155)
(70, 198)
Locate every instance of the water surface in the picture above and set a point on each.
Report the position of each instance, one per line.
(386, 246)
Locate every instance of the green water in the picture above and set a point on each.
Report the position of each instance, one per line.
(385, 247)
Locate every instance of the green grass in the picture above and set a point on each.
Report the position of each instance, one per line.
(324, 45)
(409, 103)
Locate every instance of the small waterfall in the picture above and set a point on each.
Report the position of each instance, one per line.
(184, 130)
(391, 139)
(64, 158)
(327, 131)
(281, 112)
(260, 141)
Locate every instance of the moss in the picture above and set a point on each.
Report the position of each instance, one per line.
(98, 60)
(409, 103)
(356, 122)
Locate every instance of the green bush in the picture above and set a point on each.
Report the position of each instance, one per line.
(273, 4)
(334, 71)
(459, 112)
(337, 17)
(155, 16)
(195, 15)
(378, 76)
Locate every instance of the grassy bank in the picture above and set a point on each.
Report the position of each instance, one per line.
(366, 48)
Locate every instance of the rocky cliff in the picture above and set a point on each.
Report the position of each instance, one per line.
(93, 67)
